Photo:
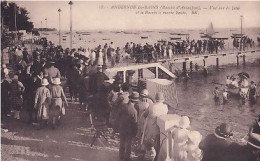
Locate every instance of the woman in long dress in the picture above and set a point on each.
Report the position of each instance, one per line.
(15, 96)
(57, 94)
(42, 102)
(100, 58)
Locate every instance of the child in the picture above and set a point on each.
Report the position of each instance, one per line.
(225, 96)
(216, 94)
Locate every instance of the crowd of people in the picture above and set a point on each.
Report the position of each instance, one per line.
(37, 82)
(247, 43)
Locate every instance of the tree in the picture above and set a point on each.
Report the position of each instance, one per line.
(8, 11)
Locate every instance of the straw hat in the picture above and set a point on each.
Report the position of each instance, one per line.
(56, 81)
(15, 77)
(134, 97)
(223, 131)
(159, 96)
(144, 93)
(184, 122)
(45, 82)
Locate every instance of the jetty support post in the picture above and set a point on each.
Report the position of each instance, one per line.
(217, 63)
(244, 60)
(140, 73)
(124, 76)
(237, 60)
(184, 69)
(204, 62)
(156, 72)
(191, 66)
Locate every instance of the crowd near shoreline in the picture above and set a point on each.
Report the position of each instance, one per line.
(36, 82)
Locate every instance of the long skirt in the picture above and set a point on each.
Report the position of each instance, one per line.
(56, 105)
(43, 111)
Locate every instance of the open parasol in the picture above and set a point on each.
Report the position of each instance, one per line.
(244, 75)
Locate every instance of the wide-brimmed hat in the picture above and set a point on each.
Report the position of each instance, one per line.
(159, 96)
(56, 81)
(144, 93)
(15, 77)
(223, 131)
(134, 96)
(45, 82)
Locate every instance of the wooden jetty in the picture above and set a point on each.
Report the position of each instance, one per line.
(138, 67)
(193, 58)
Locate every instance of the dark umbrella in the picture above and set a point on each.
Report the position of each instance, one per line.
(244, 74)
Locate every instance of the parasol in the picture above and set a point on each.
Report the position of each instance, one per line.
(244, 75)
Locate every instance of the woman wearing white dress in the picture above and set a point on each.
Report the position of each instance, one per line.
(100, 58)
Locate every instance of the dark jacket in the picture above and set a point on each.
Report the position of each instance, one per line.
(128, 120)
(217, 149)
(99, 81)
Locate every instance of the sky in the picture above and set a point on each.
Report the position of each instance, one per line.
(88, 15)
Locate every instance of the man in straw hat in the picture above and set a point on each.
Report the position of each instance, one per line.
(128, 126)
(42, 102)
(151, 133)
(57, 94)
(217, 146)
(142, 107)
(52, 71)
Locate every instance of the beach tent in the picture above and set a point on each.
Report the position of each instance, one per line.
(167, 87)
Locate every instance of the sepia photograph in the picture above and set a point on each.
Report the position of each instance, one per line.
(130, 80)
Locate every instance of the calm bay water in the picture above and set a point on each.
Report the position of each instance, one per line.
(93, 38)
(196, 100)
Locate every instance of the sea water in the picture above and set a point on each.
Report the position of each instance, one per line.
(93, 38)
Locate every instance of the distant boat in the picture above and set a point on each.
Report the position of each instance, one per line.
(86, 34)
(162, 40)
(237, 35)
(175, 38)
(148, 31)
(144, 37)
(220, 38)
(116, 32)
(174, 33)
(128, 32)
(180, 34)
(105, 39)
(209, 32)
(162, 32)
